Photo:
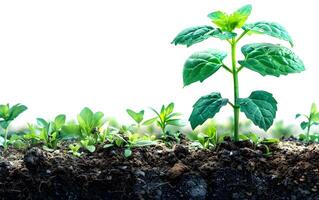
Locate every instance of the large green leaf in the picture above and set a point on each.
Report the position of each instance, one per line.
(269, 28)
(201, 65)
(193, 35)
(206, 107)
(260, 107)
(230, 22)
(271, 59)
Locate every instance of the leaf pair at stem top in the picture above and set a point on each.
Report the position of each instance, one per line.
(263, 58)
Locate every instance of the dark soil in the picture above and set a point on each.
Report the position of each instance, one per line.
(234, 171)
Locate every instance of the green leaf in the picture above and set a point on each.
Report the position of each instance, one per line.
(243, 137)
(98, 120)
(137, 116)
(16, 110)
(143, 143)
(253, 137)
(192, 136)
(269, 28)
(59, 121)
(149, 121)
(302, 137)
(239, 17)
(201, 65)
(304, 125)
(193, 35)
(298, 115)
(260, 107)
(175, 122)
(315, 117)
(70, 131)
(4, 111)
(127, 153)
(106, 146)
(220, 19)
(223, 35)
(270, 141)
(4, 124)
(85, 119)
(313, 108)
(42, 123)
(206, 107)
(271, 59)
(230, 22)
(169, 109)
(90, 148)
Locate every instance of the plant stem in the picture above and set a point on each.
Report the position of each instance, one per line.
(241, 36)
(308, 131)
(236, 91)
(5, 139)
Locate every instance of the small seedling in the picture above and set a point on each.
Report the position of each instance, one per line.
(311, 120)
(166, 117)
(260, 142)
(50, 132)
(205, 137)
(129, 141)
(74, 149)
(7, 115)
(264, 58)
(88, 130)
(138, 117)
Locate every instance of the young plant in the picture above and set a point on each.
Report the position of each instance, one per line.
(166, 117)
(264, 58)
(206, 137)
(129, 141)
(88, 130)
(74, 149)
(138, 117)
(46, 132)
(7, 115)
(311, 120)
(260, 142)
(50, 132)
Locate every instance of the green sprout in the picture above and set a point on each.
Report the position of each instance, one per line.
(206, 136)
(7, 115)
(88, 130)
(311, 120)
(264, 58)
(165, 117)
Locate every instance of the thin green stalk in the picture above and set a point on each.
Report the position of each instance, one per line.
(308, 131)
(236, 90)
(241, 36)
(5, 139)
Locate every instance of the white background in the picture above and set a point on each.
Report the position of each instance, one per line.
(59, 56)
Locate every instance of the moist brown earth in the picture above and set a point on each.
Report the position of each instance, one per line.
(233, 171)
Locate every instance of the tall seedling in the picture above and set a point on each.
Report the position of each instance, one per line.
(264, 58)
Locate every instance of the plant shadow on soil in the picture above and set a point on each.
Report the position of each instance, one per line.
(234, 171)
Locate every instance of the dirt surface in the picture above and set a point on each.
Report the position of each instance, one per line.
(234, 171)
